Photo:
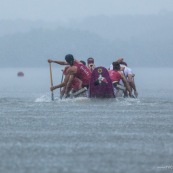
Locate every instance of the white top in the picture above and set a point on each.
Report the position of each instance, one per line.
(127, 70)
(111, 67)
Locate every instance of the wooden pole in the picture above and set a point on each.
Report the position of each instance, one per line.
(51, 81)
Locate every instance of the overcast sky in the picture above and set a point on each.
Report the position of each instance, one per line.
(63, 10)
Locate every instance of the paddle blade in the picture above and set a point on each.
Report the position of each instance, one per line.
(52, 96)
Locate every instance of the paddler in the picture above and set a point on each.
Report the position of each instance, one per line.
(128, 73)
(116, 76)
(90, 63)
(76, 70)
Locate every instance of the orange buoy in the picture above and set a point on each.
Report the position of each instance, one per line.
(20, 74)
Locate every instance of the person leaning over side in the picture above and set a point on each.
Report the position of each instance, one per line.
(130, 77)
(128, 74)
(116, 76)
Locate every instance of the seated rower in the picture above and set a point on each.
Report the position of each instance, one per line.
(83, 62)
(90, 64)
(76, 84)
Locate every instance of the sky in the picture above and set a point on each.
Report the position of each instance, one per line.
(65, 10)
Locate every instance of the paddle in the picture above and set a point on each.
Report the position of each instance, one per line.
(51, 81)
(61, 80)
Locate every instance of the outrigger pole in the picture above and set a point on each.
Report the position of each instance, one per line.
(51, 81)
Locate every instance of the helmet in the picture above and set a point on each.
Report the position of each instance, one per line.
(70, 59)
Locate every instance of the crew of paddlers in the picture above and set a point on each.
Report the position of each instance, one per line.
(77, 75)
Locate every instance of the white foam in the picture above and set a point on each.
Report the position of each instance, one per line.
(43, 98)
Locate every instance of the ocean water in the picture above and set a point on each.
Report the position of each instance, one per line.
(85, 135)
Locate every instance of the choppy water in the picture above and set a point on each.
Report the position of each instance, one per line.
(84, 135)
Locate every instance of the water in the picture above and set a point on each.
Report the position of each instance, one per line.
(82, 135)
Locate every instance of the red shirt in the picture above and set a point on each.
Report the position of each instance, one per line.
(114, 75)
(76, 84)
(83, 73)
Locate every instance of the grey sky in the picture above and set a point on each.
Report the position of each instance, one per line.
(63, 10)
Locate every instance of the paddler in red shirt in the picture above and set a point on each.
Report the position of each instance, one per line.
(76, 69)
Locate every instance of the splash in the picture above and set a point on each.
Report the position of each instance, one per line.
(47, 98)
(43, 98)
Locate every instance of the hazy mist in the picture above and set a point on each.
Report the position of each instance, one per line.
(33, 31)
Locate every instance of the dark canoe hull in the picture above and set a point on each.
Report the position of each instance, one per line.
(101, 84)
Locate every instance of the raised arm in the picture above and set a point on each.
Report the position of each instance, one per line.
(58, 62)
